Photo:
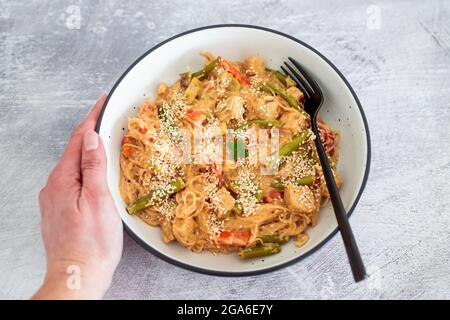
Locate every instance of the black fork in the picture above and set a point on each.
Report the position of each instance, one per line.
(313, 102)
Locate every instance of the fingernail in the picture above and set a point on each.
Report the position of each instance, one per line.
(90, 141)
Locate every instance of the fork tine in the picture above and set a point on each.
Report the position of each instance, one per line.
(298, 82)
(310, 80)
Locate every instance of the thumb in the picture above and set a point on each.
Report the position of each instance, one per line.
(93, 164)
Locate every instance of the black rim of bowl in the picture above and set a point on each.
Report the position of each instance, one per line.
(281, 265)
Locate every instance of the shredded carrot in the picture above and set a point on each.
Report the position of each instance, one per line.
(217, 170)
(229, 67)
(127, 145)
(126, 150)
(142, 130)
(328, 138)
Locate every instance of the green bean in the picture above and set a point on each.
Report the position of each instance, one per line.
(263, 123)
(314, 155)
(234, 87)
(294, 144)
(259, 195)
(290, 82)
(275, 238)
(233, 186)
(273, 89)
(261, 251)
(267, 88)
(239, 208)
(289, 147)
(154, 168)
(280, 76)
(284, 79)
(207, 69)
(277, 184)
(305, 181)
(154, 197)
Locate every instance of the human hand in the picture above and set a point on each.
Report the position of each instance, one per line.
(81, 227)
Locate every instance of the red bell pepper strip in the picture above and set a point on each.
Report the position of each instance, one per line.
(234, 237)
(273, 195)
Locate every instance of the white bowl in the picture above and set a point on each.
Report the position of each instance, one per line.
(164, 62)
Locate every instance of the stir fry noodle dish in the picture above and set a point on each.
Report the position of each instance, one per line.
(224, 160)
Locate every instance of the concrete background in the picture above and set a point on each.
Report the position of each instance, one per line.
(396, 55)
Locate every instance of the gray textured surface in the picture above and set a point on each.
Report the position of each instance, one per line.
(51, 73)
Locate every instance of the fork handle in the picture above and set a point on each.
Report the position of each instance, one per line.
(356, 263)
